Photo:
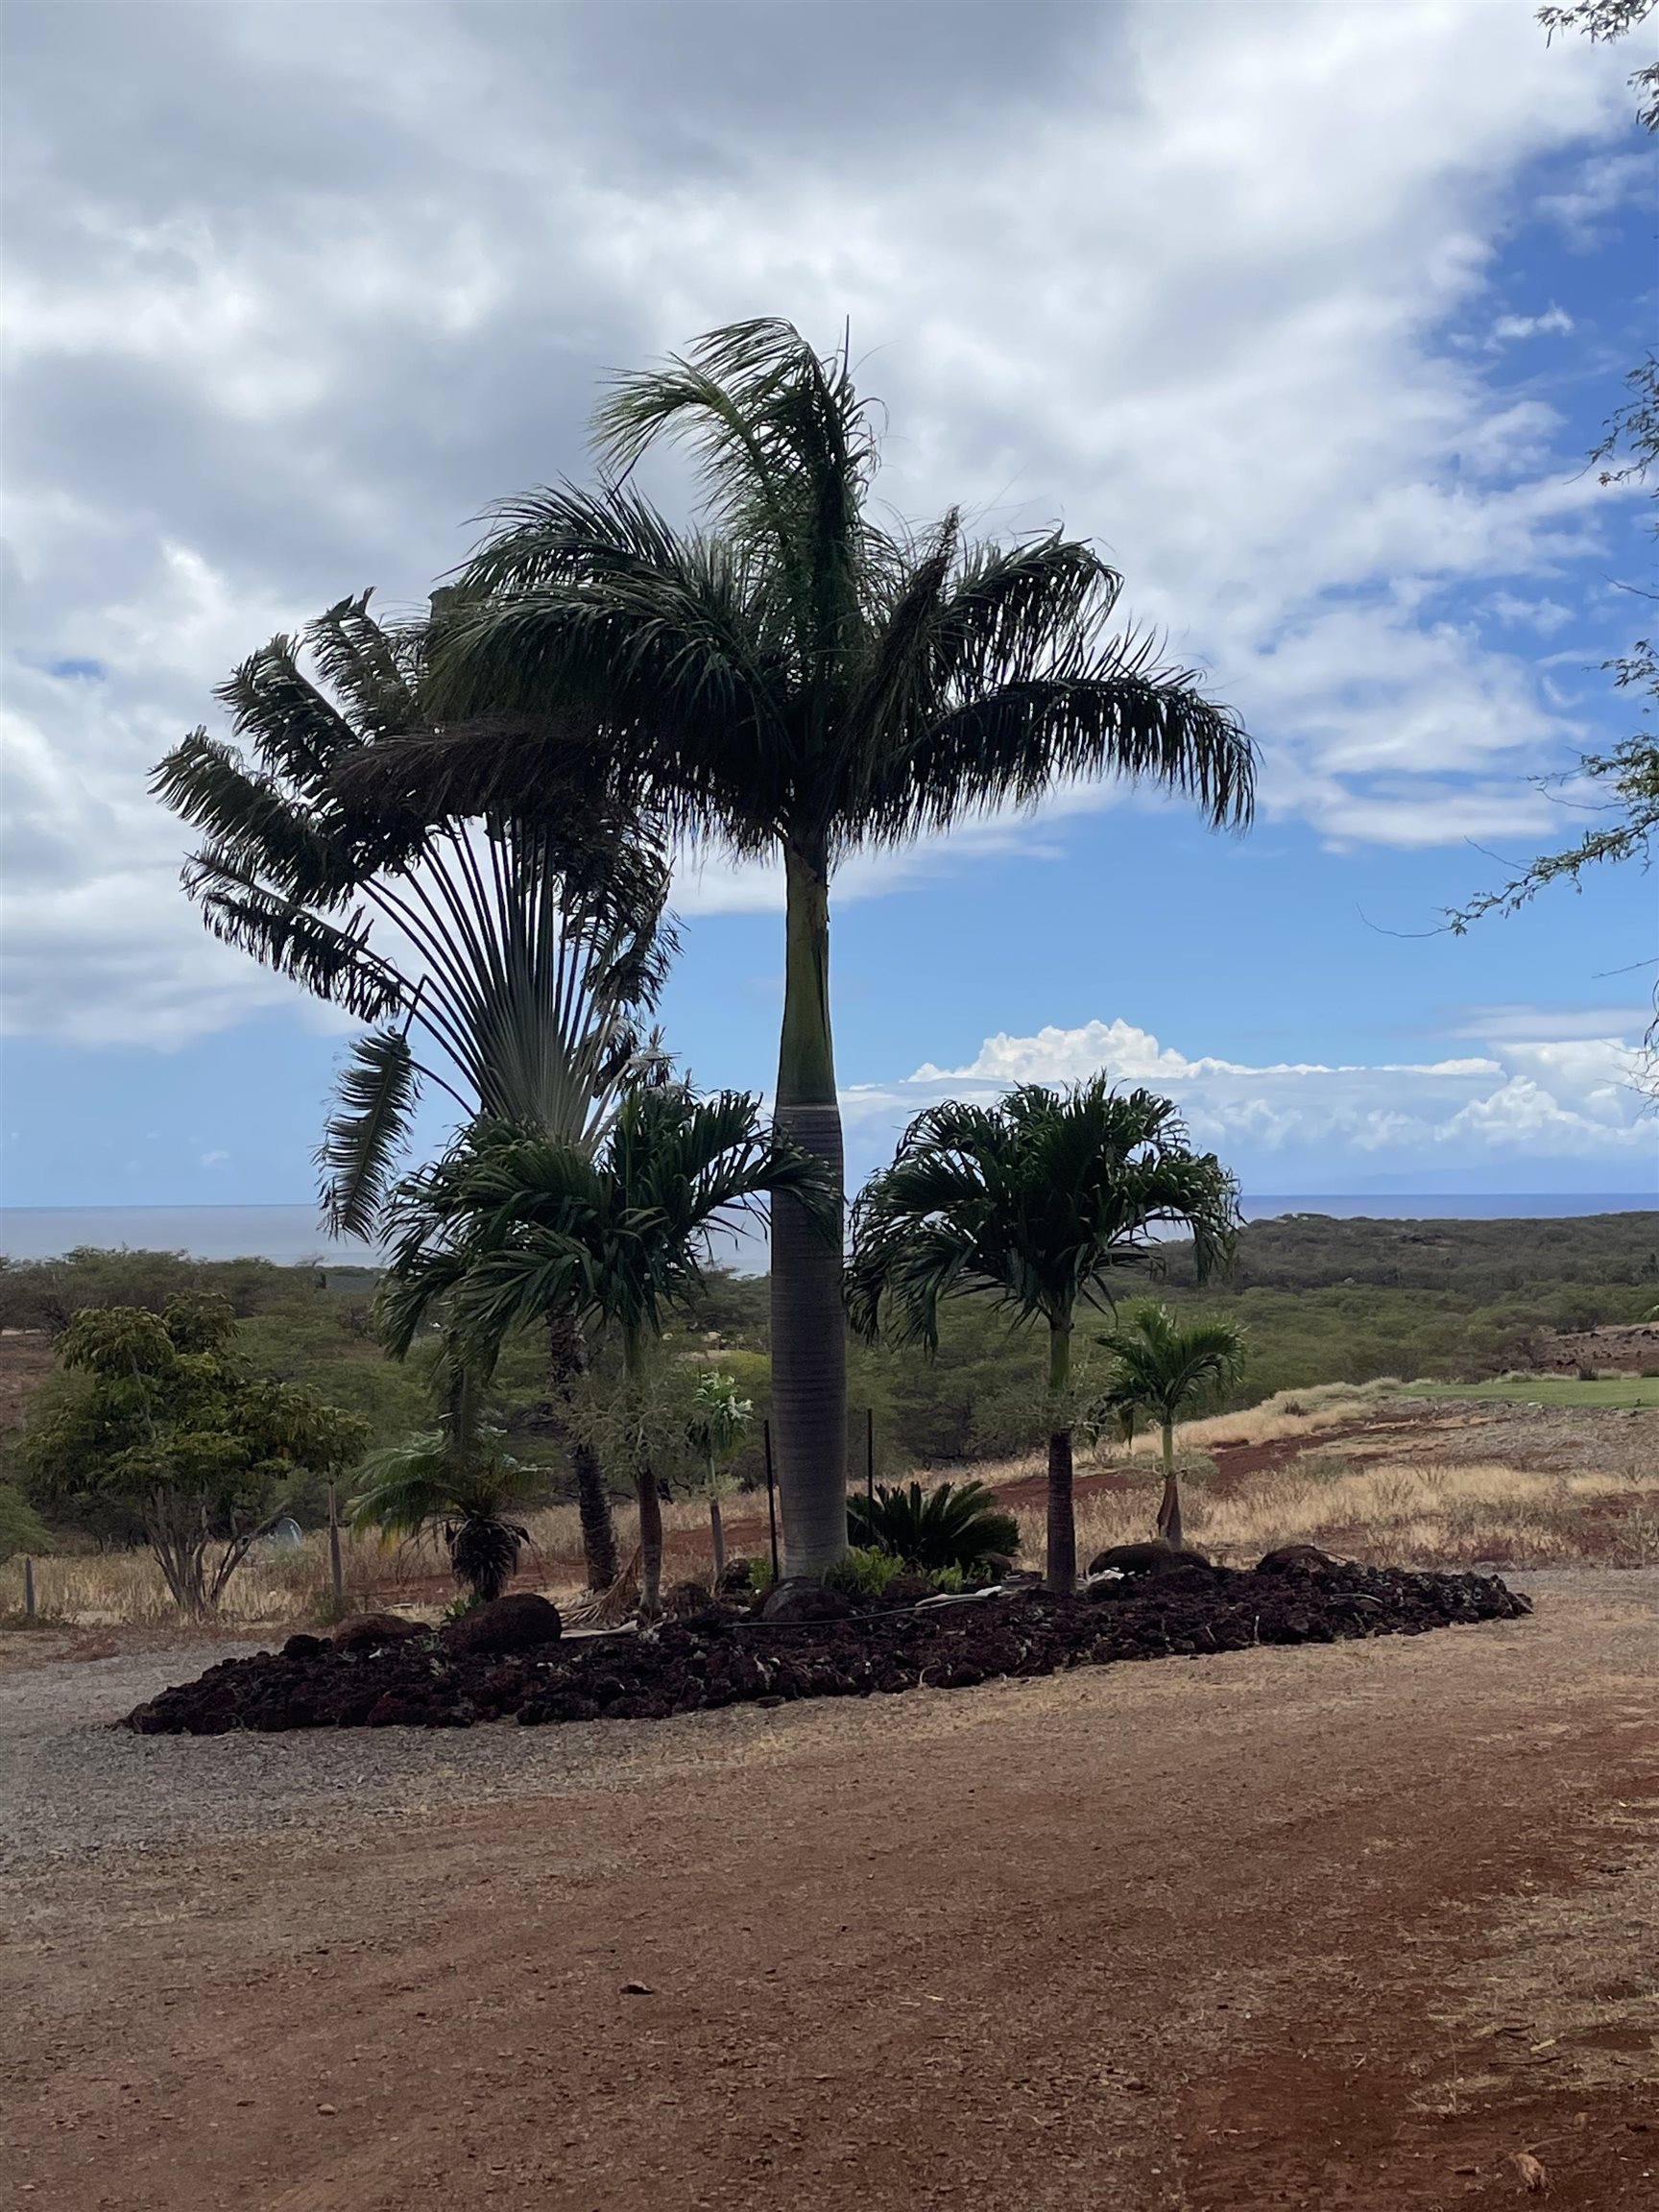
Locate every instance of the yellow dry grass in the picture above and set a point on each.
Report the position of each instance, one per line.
(1434, 1514)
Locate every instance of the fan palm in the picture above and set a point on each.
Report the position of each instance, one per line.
(1035, 1203)
(1159, 1367)
(509, 967)
(798, 681)
(511, 1226)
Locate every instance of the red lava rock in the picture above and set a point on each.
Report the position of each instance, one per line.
(419, 1679)
(1145, 1559)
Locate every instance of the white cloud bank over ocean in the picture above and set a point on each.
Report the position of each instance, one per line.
(1568, 1102)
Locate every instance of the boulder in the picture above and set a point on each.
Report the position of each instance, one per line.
(800, 1599)
(1145, 1559)
(305, 1647)
(522, 1621)
(370, 1631)
(1296, 1559)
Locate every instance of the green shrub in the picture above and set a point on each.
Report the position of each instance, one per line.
(866, 1572)
(956, 1524)
(21, 1527)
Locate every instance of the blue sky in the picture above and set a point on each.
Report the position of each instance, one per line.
(1307, 313)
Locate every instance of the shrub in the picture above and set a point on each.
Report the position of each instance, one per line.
(866, 1572)
(957, 1524)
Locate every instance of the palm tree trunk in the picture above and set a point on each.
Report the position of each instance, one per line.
(809, 1327)
(568, 1356)
(1169, 1509)
(650, 1498)
(1062, 1519)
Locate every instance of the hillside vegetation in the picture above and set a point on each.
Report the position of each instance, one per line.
(1322, 1301)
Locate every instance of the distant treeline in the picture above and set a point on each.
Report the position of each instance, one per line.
(1322, 1300)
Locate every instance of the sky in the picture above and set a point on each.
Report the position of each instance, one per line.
(1306, 314)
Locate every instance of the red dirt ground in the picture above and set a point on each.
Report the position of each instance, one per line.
(1211, 1937)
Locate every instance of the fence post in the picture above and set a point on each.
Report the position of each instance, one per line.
(336, 1568)
(28, 1589)
(771, 1499)
(870, 1454)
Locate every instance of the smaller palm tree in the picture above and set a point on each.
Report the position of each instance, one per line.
(458, 1478)
(719, 1422)
(513, 1226)
(955, 1525)
(1035, 1203)
(1160, 1368)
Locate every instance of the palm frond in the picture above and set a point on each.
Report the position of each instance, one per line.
(376, 1095)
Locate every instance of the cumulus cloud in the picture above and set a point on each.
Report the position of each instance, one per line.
(1526, 1100)
(1555, 322)
(286, 303)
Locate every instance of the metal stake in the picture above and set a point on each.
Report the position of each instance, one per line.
(771, 1498)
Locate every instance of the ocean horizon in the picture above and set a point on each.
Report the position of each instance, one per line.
(291, 1235)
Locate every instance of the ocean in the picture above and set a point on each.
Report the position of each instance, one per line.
(291, 1235)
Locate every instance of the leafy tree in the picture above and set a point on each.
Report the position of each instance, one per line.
(1160, 1368)
(955, 1525)
(458, 1478)
(21, 1527)
(1602, 21)
(510, 1227)
(508, 967)
(173, 1427)
(720, 1421)
(1035, 1203)
(796, 680)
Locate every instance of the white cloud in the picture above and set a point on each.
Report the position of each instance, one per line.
(1570, 1098)
(282, 313)
(1555, 322)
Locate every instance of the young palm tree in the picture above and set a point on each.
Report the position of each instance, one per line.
(467, 1487)
(511, 1226)
(1035, 1203)
(795, 680)
(509, 967)
(719, 1422)
(1160, 1368)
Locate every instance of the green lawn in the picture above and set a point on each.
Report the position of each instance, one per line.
(1560, 1390)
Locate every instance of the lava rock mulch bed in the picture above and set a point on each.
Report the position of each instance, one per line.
(387, 1672)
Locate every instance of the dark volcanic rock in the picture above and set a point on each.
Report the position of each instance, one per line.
(370, 1631)
(1296, 1559)
(1145, 1559)
(416, 1678)
(804, 1601)
(521, 1622)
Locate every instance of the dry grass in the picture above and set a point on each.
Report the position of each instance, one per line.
(1434, 1514)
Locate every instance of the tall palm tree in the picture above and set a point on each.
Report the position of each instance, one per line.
(1036, 1203)
(1160, 1368)
(796, 680)
(511, 1226)
(509, 966)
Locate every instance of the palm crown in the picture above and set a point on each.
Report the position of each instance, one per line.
(507, 967)
(1160, 1367)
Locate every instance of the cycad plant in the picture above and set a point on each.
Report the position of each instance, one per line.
(953, 1525)
(1038, 1203)
(511, 1227)
(1160, 1368)
(465, 1486)
(798, 678)
(508, 964)
(720, 1420)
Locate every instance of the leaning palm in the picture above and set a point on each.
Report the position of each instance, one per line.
(1160, 1368)
(1037, 1203)
(466, 1486)
(796, 680)
(508, 966)
(512, 1226)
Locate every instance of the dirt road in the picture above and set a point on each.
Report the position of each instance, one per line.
(1364, 1927)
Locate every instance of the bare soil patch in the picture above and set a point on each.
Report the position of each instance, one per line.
(1257, 1931)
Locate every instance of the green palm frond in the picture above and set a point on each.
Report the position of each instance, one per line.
(953, 1525)
(1161, 1368)
(375, 1096)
